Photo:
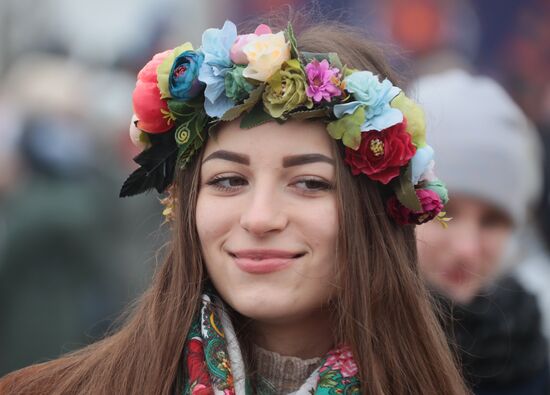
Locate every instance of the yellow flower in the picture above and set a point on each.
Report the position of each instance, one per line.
(265, 54)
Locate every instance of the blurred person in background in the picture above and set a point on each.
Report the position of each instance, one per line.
(58, 285)
(489, 155)
(66, 240)
(55, 245)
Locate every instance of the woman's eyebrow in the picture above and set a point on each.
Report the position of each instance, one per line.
(297, 160)
(230, 156)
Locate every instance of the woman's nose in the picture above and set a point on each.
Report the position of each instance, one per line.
(466, 246)
(264, 212)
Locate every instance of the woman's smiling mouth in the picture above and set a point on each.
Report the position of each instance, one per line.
(263, 261)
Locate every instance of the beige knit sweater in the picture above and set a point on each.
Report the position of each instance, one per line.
(285, 374)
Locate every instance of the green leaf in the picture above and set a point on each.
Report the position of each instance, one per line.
(307, 114)
(211, 125)
(255, 117)
(348, 71)
(289, 32)
(348, 128)
(416, 123)
(248, 104)
(189, 136)
(187, 150)
(331, 57)
(183, 110)
(404, 191)
(334, 60)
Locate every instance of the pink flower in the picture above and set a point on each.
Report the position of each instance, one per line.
(341, 359)
(236, 53)
(349, 368)
(201, 389)
(323, 81)
(431, 206)
(149, 108)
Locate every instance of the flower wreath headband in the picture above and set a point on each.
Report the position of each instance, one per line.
(182, 93)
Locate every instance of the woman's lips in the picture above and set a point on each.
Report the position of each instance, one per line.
(457, 275)
(263, 261)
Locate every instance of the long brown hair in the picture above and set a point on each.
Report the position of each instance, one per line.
(382, 311)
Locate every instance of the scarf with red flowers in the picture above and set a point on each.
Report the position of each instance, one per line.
(213, 363)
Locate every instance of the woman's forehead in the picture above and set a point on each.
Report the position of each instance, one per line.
(272, 138)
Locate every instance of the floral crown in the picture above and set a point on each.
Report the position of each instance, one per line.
(182, 93)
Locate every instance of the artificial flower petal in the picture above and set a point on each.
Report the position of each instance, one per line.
(163, 70)
(440, 188)
(237, 88)
(420, 162)
(348, 128)
(138, 137)
(431, 207)
(416, 123)
(323, 81)
(216, 45)
(148, 106)
(381, 155)
(429, 174)
(236, 53)
(375, 96)
(265, 54)
(286, 90)
(262, 29)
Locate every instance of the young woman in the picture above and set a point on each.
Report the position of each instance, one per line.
(295, 171)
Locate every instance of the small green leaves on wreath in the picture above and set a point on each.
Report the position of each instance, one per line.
(348, 128)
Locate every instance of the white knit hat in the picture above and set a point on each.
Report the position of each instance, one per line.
(485, 145)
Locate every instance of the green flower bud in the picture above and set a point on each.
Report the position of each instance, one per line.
(438, 187)
(237, 87)
(286, 90)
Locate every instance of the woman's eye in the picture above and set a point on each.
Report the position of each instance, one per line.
(312, 185)
(227, 183)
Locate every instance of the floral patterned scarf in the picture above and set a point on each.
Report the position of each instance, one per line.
(214, 363)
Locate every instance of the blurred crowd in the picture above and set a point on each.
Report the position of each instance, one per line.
(73, 255)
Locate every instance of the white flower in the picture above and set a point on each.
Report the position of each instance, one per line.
(138, 137)
(265, 54)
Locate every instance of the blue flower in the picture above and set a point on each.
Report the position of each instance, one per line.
(183, 82)
(420, 161)
(375, 97)
(216, 44)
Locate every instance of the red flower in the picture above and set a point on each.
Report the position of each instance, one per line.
(148, 106)
(382, 154)
(431, 206)
(196, 366)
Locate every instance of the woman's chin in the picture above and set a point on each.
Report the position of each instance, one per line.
(274, 306)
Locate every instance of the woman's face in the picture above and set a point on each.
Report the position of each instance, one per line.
(267, 218)
(461, 260)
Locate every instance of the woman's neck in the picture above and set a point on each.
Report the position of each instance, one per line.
(304, 337)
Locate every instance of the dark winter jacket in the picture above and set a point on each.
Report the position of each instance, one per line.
(499, 341)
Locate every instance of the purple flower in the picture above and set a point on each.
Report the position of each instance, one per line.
(323, 81)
